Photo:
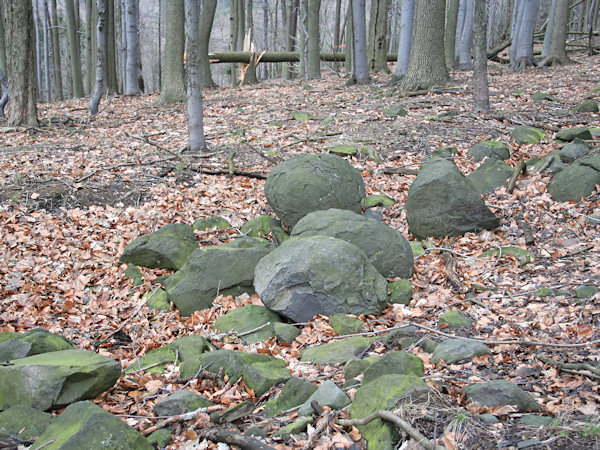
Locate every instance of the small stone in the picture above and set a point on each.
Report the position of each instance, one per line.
(454, 351)
(285, 332)
(588, 105)
(394, 111)
(295, 392)
(343, 150)
(158, 300)
(161, 438)
(337, 351)
(133, 273)
(489, 419)
(343, 324)
(293, 428)
(527, 135)
(180, 402)
(377, 200)
(533, 420)
(585, 291)
(500, 393)
(455, 319)
(543, 292)
(328, 394)
(210, 223)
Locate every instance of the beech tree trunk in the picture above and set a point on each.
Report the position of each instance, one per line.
(207, 17)
(522, 47)
(314, 39)
(56, 64)
(90, 29)
(481, 91)
(100, 87)
(466, 38)
(2, 44)
(450, 33)
(549, 28)
(291, 31)
(172, 88)
(133, 48)
(196, 139)
(46, 34)
(112, 83)
(74, 49)
(19, 40)
(360, 64)
(557, 52)
(427, 66)
(377, 49)
(3, 91)
(407, 13)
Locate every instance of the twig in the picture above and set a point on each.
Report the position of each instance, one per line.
(105, 106)
(147, 140)
(235, 438)
(324, 423)
(235, 172)
(400, 423)
(574, 368)
(180, 418)
(546, 164)
(244, 333)
(259, 153)
(127, 164)
(521, 167)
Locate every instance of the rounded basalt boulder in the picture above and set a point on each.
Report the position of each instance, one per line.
(319, 275)
(308, 183)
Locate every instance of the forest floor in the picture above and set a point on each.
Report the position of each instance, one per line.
(76, 190)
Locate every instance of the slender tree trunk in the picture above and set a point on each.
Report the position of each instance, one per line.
(249, 15)
(524, 38)
(349, 53)
(314, 39)
(46, 34)
(38, 47)
(111, 53)
(133, 48)
(450, 33)
(394, 26)
(19, 36)
(100, 87)
(466, 38)
(124, 44)
(196, 139)
(481, 91)
(291, 31)
(3, 89)
(360, 63)
(58, 86)
(89, 59)
(265, 43)
(173, 81)
(460, 23)
(377, 49)
(426, 67)
(2, 44)
(74, 49)
(407, 13)
(207, 17)
(303, 32)
(549, 28)
(557, 52)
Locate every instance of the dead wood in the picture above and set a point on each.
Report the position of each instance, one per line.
(513, 179)
(235, 438)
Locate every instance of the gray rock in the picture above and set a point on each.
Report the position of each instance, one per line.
(489, 149)
(265, 227)
(573, 151)
(490, 175)
(489, 419)
(454, 351)
(161, 438)
(527, 135)
(337, 351)
(294, 393)
(189, 346)
(455, 319)
(394, 111)
(442, 202)
(400, 363)
(400, 292)
(500, 393)
(328, 394)
(86, 425)
(209, 223)
(13, 349)
(592, 160)
(247, 318)
(134, 274)
(180, 402)
(285, 332)
(154, 361)
(298, 426)
(385, 247)
(40, 340)
(588, 105)
(211, 270)
(383, 393)
(402, 338)
(23, 422)
(536, 421)
(343, 324)
(158, 300)
(574, 133)
(319, 275)
(55, 379)
(166, 248)
(574, 182)
(310, 183)
(355, 367)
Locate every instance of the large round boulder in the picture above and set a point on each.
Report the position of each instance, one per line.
(385, 247)
(443, 202)
(310, 183)
(319, 275)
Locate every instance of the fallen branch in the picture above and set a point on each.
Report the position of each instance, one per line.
(450, 264)
(147, 140)
(179, 418)
(513, 180)
(400, 423)
(324, 423)
(240, 173)
(127, 164)
(573, 368)
(399, 171)
(235, 438)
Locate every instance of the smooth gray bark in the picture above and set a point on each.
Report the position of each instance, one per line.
(2, 45)
(46, 34)
(523, 39)
(89, 58)
(265, 37)
(3, 91)
(56, 63)
(407, 13)
(450, 33)
(196, 138)
(291, 30)
(466, 37)
(75, 52)
(377, 39)
(112, 83)
(549, 28)
(460, 23)
(360, 63)
(557, 51)
(100, 87)
(394, 26)
(314, 40)
(132, 71)
(124, 44)
(207, 17)
(303, 38)
(173, 80)
(38, 46)
(481, 91)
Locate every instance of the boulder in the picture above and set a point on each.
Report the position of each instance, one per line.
(308, 183)
(319, 275)
(394, 111)
(297, 426)
(338, 351)
(189, 346)
(265, 227)
(453, 351)
(285, 332)
(527, 135)
(294, 393)
(13, 349)
(489, 149)
(343, 324)
(55, 379)
(180, 402)
(490, 175)
(400, 292)
(86, 425)
(455, 319)
(166, 248)
(394, 362)
(588, 105)
(573, 151)
(210, 223)
(211, 270)
(160, 438)
(356, 367)
(23, 422)
(500, 393)
(402, 338)
(571, 134)
(328, 394)
(385, 247)
(247, 318)
(158, 300)
(383, 393)
(154, 361)
(39, 340)
(442, 202)
(576, 181)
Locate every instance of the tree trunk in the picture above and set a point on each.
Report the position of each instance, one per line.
(394, 26)
(450, 34)
(481, 91)
(426, 66)
(46, 34)
(57, 69)
(19, 35)
(557, 53)
(249, 15)
(207, 17)
(38, 47)
(348, 54)
(549, 28)
(291, 30)
(101, 57)
(3, 88)
(172, 88)
(314, 39)
(265, 39)
(89, 58)
(124, 44)
(74, 49)
(407, 13)
(2, 44)
(277, 57)
(377, 49)
(360, 63)
(111, 53)
(303, 38)
(196, 139)
(133, 48)
(466, 38)
(524, 38)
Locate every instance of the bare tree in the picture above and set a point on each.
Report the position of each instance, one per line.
(207, 17)
(101, 57)
(450, 33)
(521, 50)
(557, 51)
(360, 65)
(481, 91)
(196, 139)
(466, 37)
(407, 12)
(57, 67)
(132, 72)
(74, 49)
(173, 81)
(314, 39)
(377, 48)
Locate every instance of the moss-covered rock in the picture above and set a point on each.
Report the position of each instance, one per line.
(571, 134)
(265, 227)
(23, 422)
(248, 318)
(355, 367)
(573, 183)
(400, 292)
(527, 135)
(180, 402)
(394, 111)
(455, 319)
(209, 223)
(328, 394)
(585, 291)
(285, 332)
(294, 393)
(490, 149)
(343, 324)
(500, 393)
(337, 351)
(490, 175)
(134, 274)
(573, 151)
(160, 438)
(298, 426)
(453, 351)
(154, 361)
(189, 346)
(394, 362)
(158, 300)
(372, 201)
(343, 150)
(588, 105)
